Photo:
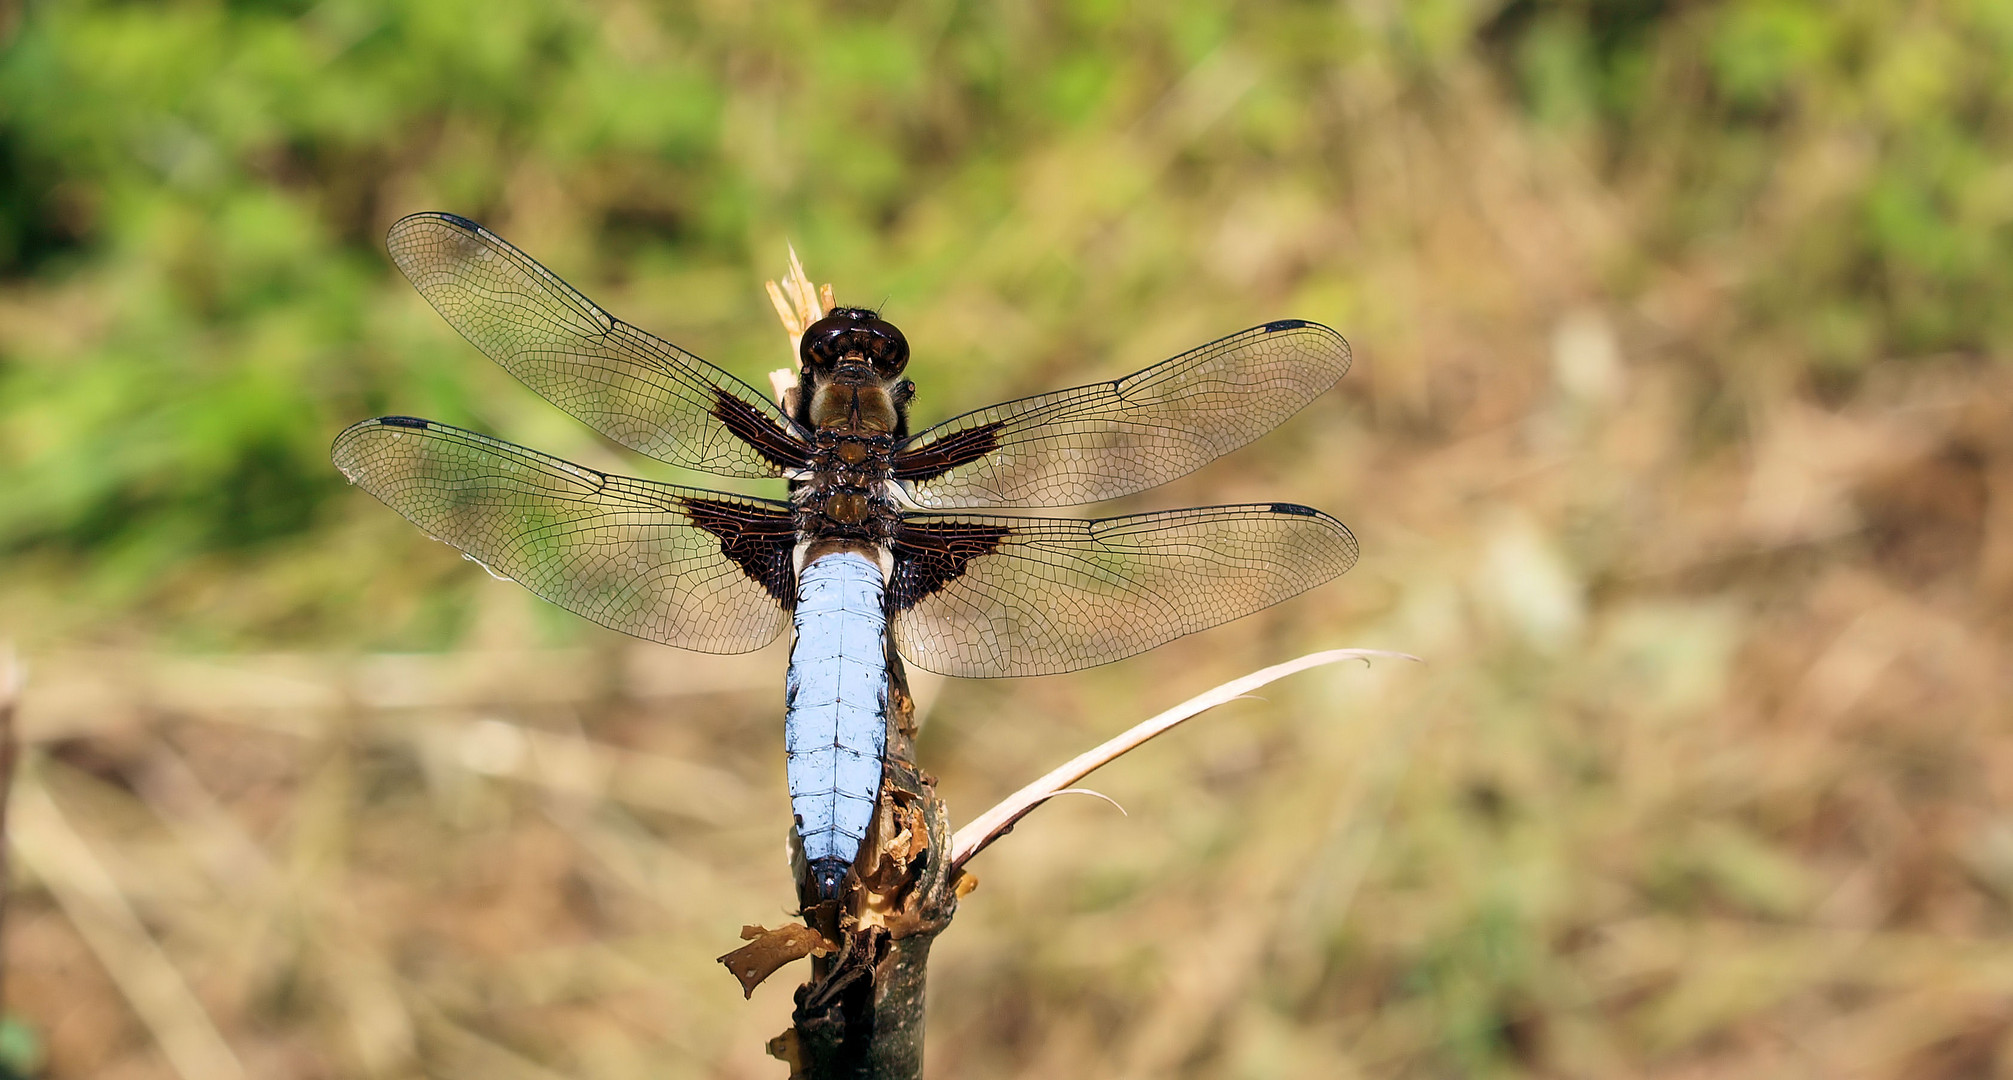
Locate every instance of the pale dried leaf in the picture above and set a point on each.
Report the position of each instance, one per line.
(768, 950)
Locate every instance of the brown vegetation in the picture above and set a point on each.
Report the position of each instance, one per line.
(1706, 772)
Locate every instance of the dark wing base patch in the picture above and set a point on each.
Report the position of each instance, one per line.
(760, 542)
(940, 456)
(931, 556)
(759, 431)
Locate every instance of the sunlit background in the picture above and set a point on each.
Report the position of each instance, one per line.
(1679, 442)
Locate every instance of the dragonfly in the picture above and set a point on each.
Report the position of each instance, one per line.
(876, 556)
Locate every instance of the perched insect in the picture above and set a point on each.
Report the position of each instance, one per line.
(862, 557)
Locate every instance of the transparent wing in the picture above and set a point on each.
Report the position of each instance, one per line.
(983, 596)
(1110, 439)
(692, 568)
(635, 388)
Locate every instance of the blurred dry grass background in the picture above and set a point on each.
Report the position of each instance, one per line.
(1680, 443)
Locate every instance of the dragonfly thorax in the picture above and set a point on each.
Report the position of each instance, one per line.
(844, 492)
(841, 404)
(846, 459)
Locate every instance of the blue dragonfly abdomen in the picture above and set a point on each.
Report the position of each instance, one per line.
(835, 724)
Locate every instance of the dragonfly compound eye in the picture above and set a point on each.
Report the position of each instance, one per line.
(823, 342)
(886, 348)
(855, 332)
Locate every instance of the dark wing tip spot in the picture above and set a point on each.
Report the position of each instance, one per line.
(1277, 325)
(429, 217)
(1295, 509)
(405, 421)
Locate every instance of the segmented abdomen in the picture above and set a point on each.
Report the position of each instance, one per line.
(835, 723)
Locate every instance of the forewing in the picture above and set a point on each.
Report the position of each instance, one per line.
(1110, 439)
(633, 387)
(687, 567)
(982, 596)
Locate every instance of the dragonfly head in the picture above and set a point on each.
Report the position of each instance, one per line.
(848, 337)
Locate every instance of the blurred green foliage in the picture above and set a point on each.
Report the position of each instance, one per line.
(1863, 143)
(192, 196)
(20, 1049)
(1611, 267)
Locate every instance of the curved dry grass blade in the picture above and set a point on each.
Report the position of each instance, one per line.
(801, 290)
(1120, 807)
(784, 310)
(95, 905)
(10, 694)
(989, 826)
(799, 303)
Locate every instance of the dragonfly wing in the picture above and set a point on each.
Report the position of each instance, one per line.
(631, 386)
(987, 595)
(688, 567)
(1109, 439)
